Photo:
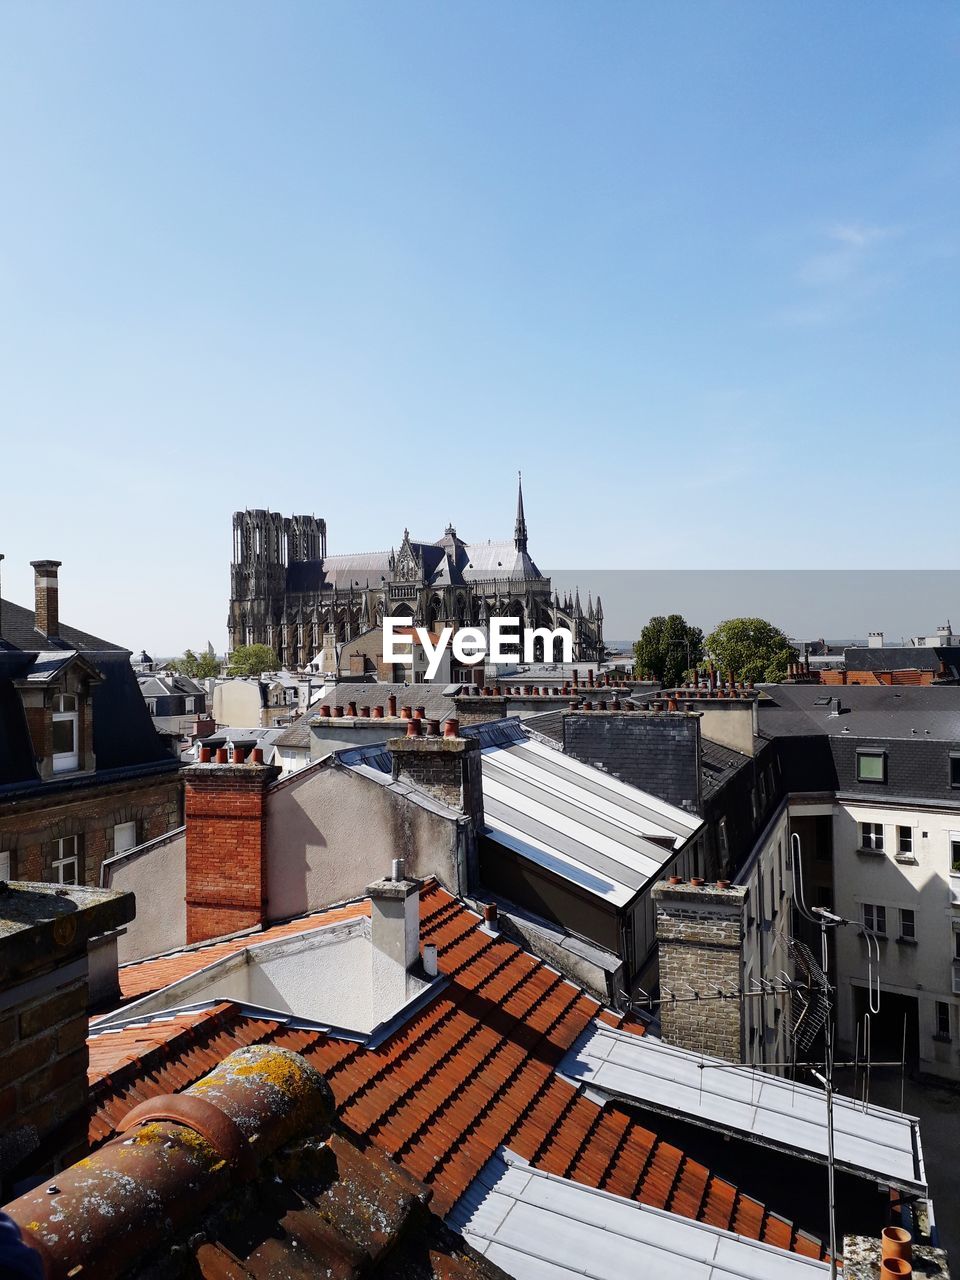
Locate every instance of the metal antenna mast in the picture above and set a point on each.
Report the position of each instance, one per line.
(823, 1005)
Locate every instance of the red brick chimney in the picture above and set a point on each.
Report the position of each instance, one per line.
(225, 807)
(47, 597)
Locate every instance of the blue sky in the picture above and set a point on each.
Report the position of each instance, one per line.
(692, 266)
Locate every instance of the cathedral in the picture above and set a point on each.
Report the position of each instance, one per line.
(286, 592)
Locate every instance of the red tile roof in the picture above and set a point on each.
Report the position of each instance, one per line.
(471, 1071)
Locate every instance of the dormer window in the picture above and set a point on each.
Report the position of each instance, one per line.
(66, 735)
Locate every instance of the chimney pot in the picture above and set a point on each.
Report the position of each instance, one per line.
(430, 967)
(392, 704)
(451, 728)
(413, 728)
(256, 755)
(365, 712)
(406, 713)
(338, 713)
(378, 713)
(221, 755)
(351, 709)
(325, 712)
(419, 713)
(238, 755)
(433, 726)
(204, 755)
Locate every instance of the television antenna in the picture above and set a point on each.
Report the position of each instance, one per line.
(818, 1013)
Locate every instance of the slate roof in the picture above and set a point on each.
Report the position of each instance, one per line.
(18, 631)
(903, 658)
(471, 1071)
(870, 711)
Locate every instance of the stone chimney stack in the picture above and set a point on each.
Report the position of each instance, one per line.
(45, 994)
(47, 597)
(225, 811)
(395, 938)
(700, 947)
(446, 767)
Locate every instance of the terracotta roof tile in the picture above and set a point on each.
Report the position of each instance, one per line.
(470, 1072)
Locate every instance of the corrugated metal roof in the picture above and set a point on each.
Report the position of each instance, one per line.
(574, 820)
(542, 1227)
(769, 1109)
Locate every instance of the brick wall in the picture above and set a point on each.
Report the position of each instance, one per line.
(699, 943)
(225, 807)
(31, 828)
(44, 976)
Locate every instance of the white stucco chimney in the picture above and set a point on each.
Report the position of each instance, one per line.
(395, 939)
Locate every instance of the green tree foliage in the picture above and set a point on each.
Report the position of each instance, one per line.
(251, 660)
(197, 667)
(751, 648)
(667, 648)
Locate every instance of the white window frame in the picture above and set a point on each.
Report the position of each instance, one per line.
(64, 858)
(67, 761)
(873, 916)
(124, 827)
(954, 838)
(869, 842)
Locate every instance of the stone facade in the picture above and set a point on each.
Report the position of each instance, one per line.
(286, 592)
(447, 768)
(31, 829)
(700, 943)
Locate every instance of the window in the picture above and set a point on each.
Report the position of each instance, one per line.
(942, 1020)
(874, 918)
(908, 925)
(905, 842)
(124, 836)
(955, 769)
(871, 836)
(723, 842)
(66, 755)
(871, 766)
(5, 868)
(956, 946)
(66, 865)
(954, 854)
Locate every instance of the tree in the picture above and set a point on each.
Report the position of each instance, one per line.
(751, 648)
(196, 667)
(667, 648)
(251, 660)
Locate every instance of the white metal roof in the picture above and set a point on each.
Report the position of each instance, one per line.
(577, 821)
(540, 1227)
(875, 1142)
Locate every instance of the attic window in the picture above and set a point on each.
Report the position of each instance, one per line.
(871, 766)
(66, 755)
(822, 702)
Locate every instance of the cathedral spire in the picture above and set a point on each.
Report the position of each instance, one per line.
(520, 529)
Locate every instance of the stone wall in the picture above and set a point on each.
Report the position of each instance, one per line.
(31, 829)
(699, 942)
